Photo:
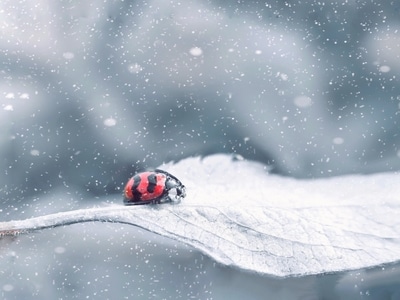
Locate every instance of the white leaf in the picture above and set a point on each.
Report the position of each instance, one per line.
(244, 217)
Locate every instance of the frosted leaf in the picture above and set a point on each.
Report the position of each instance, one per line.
(241, 216)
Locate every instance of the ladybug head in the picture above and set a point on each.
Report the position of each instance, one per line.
(176, 190)
(180, 193)
(174, 187)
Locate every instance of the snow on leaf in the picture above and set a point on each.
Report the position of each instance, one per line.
(241, 216)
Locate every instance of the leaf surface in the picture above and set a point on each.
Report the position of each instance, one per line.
(244, 217)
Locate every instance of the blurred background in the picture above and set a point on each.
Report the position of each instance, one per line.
(93, 91)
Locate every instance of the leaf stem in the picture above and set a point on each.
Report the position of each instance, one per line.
(98, 214)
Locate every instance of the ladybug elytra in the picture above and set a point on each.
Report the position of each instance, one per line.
(156, 186)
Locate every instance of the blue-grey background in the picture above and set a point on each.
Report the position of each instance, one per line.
(92, 91)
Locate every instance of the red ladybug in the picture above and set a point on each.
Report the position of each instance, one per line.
(153, 187)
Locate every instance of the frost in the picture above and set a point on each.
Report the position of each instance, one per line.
(241, 216)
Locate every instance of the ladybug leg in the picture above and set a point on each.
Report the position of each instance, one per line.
(167, 199)
(180, 191)
(156, 201)
(162, 199)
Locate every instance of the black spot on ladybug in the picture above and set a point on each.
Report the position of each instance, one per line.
(152, 178)
(136, 194)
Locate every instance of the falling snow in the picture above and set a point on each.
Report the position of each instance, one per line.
(92, 93)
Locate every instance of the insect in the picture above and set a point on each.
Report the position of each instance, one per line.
(156, 187)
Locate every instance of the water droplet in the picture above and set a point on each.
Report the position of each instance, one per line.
(384, 69)
(135, 68)
(8, 107)
(59, 250)
(302, 101)
(196, 51)
(68, 55)
(35, 152)
(10, 96)
(8, 287)
(338, 140)
(24, 96)
(110, 122)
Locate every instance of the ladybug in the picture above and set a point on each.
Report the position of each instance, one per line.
(155, 187)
